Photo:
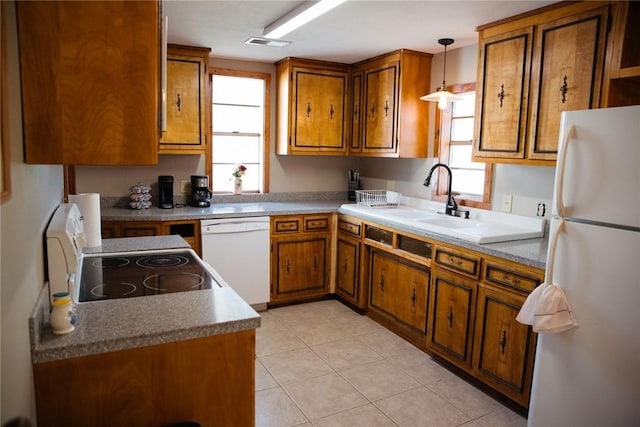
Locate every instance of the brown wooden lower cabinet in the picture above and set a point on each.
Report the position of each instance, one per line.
(504, 349)
(454, 303)
(189, 230)
(207, 380)
(452, 315)
(398, 292)
(300, 257)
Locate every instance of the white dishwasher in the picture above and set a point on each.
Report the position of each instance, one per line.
(239, 250)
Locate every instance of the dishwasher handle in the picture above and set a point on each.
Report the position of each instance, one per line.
(234, 227)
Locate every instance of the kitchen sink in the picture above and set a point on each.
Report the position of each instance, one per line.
(482, 226)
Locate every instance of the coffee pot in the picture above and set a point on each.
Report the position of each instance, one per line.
(200, 193)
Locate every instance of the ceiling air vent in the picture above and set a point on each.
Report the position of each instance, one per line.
(266, 42)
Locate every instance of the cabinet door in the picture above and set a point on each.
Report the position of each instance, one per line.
(381, 97)
(186, 80)
(318, 114)
(452, 315)
(411, 300)
(504, 349)
(347, 269)
(90, 81)
(383, 273)
(502, 98)
(567, 65)
(301, 267)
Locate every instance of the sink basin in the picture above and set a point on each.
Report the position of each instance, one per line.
(449, 222)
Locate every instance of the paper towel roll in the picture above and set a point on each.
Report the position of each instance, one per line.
(89, 206)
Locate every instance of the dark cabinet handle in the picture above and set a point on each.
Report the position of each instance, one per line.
(315, 264)
(288, 267)
(501, 95)
(413, 298)
(355, 112)
(373, 109)
(308, 109)
(563, 89)
(450, 317)
(386, 107)
(331, 111)
(503, 341)
(345, 266)
(382, 283)
(179, 102)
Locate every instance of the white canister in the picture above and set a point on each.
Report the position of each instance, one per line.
(62, 317)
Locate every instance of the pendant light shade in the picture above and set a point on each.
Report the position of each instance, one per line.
(442, 97)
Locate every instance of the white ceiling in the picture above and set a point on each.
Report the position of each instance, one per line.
(353, 31)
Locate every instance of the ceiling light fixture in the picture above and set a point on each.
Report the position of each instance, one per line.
(299, 16)
(442, 97)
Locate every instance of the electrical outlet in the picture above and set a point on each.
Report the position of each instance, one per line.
(542, 209)
(507, 199)
(391, 185)
(185, 186)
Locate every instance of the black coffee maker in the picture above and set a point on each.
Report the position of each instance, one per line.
(165, 191)
(200, 193)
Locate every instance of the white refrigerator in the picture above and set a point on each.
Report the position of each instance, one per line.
(590, 374)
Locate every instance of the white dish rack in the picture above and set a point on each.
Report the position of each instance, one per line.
(377, 198)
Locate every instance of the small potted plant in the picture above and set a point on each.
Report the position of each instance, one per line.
(238, 173)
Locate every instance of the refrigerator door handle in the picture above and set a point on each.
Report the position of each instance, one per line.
(561, 171)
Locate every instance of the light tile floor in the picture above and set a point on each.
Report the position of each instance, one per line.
(322, 364)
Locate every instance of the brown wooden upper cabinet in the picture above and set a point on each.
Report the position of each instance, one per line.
(388, 115)
(90, 74)
(371, 108)
(312, 100)
(187, 100)
(530, 69)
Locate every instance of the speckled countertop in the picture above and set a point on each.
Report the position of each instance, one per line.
(531, 252)
(221, 210)
(112, 325)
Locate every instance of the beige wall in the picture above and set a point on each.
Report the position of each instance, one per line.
(36, 192)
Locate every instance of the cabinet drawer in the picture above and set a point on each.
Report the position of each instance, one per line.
(139, 232)
(378, 234)
(511, 277)
(460, 262)
(415, 246)
(349, 227)
(286, 225)
(316, 223)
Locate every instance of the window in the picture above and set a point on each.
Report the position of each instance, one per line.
(239, 124)
(471, 180)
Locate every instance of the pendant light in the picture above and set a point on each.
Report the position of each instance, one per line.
(442, 97)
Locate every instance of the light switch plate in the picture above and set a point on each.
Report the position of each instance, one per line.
(507, 199)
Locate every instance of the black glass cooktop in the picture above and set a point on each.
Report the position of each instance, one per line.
(126, 276)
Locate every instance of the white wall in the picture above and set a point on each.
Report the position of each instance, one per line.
(36, 191)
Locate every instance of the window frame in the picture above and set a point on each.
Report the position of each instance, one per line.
(443, 142)
(266, 77)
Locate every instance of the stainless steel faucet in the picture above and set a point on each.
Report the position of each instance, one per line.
(451, 207)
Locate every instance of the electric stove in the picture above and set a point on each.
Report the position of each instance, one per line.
(127, 275)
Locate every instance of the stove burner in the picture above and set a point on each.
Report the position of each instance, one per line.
(164, 260)
(173, 282)
(113, 290)
(110, 262)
